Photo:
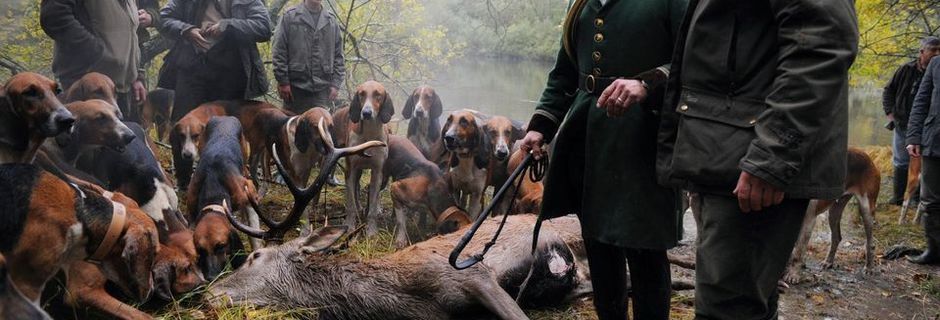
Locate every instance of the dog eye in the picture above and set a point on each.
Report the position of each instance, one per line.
(32, 92)
(58, 90)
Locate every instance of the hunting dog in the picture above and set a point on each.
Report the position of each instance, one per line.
(29, 113)
(97, 126)
(503, 134)
(219, 180)
(369, 112)
(263, 125)
(93, 85)
(156, 111)
(424, 108)
(48, 224)
(469, 147)
(420, 188)
(186, 133)
(304, 145)
(528, 197)
(863, 181)
(137, 173)
(174, 272)
(910, 195)
(13, 305)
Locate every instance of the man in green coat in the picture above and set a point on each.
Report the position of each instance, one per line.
(603, 159)
(756, 122)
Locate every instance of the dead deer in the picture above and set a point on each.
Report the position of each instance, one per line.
(414, 283)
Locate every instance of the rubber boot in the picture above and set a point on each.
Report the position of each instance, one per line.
(900, 185)
(932, 231)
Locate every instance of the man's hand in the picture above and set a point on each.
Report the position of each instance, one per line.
(891, 116)
(334, 92)
(144, 18)
(913, 150)
(214, 31)
(621, 95)
(532, 143)
(140, 93)
(755, 194)
(283, 90)
(194, 35)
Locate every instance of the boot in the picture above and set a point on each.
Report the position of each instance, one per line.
(932, 231)
(900, 185)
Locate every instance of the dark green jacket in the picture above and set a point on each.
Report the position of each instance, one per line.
(760, 86)
(307, 54)
(603, 168)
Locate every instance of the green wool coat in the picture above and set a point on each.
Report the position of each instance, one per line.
(603, 168)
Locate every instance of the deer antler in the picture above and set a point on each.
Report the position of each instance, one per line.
(302, 196)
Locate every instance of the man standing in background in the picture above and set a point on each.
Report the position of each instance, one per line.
(308, 57)
(96, 36)
(897, 98)
(923, 140)
(215, 56)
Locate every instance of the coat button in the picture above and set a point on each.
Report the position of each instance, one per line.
(597, 56)
(598, 37)
(684, 107)
(753, 121)
(598, 22)
(596, 72)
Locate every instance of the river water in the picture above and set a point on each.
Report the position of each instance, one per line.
(512, 87)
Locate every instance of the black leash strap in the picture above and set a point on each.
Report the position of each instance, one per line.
(536, 170)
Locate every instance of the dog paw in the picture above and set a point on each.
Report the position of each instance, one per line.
(792, 277)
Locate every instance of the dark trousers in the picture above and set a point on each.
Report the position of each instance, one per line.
(930, 185)
(204, 82)
(304, 100)
(129, 106)
(650, 281)
(741, 256)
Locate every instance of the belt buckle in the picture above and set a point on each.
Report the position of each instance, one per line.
(589, 83)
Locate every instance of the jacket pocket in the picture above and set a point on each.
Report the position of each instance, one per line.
(713, 136)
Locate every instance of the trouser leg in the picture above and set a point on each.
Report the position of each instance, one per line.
(128, 106)
(189, 94)
(608, 279)
(304, 100)
(930, 199)
(741, 256)
(650, 281)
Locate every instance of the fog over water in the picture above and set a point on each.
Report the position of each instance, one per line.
(512, 88)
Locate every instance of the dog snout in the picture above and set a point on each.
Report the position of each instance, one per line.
(502, 153)
(419, 112)
(63, 120)
(127, 136)
(450, 139)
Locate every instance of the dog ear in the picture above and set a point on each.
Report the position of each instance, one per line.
(138, 255)
(14, 132)
(437, 107)
(409, 109)
(302, 135)
(484, 148)
(387, 111)
(355, 108)
(517, 133)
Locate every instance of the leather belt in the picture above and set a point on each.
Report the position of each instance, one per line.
(594, 84)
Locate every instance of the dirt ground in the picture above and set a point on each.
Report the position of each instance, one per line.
(893, 290)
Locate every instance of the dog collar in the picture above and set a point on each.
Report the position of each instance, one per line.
(214, 208)
(447, 213)
(115, 229)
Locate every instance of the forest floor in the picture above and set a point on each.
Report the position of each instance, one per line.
(893, 290)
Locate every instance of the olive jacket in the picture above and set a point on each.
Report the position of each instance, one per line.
(603, 168)
(307, 54)
(923, 129)
(760, 86)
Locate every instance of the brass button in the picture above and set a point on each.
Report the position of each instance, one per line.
(598, 22)
(753, 121)
(597, 71)
(597, 56)
(598, 37)
(684, 107)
